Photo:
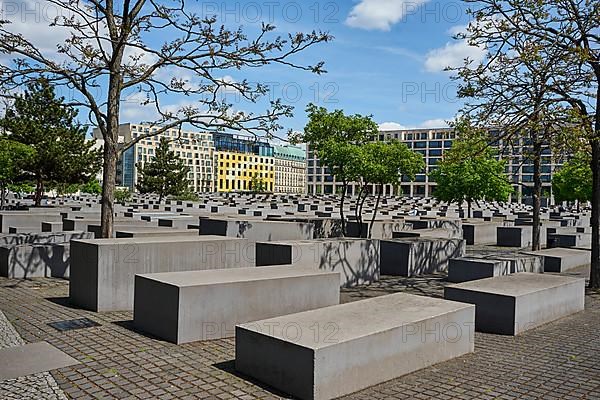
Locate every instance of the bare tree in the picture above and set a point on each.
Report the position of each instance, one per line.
(566, 34)
(112, 48)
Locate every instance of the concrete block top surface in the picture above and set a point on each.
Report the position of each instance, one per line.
(357, 319)
(157, 230)
(320, 240)
(518, 284)
(160, 239)
(560, 252)
(218, 276)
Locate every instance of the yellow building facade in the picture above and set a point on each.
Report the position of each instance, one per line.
(238, 171)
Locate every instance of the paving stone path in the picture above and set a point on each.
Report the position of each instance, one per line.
(559, 360)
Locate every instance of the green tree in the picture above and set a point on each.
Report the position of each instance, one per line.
(92, 187)
(165, 174)
(470, 171)
(386, 163)
(257, 184)
(337, 139)
(573, 182)
(122, 195)
(42, 121)
(14, 157)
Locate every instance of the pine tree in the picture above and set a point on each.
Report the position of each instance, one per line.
(165, 174)
(43, 122)
(14, 156)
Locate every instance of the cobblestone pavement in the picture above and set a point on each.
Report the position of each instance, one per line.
(560, 360)
(40, 385)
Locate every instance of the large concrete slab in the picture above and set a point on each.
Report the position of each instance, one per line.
(515, 303)
(487, 266)
(257, 230)
(333, 351)
(480, 233)
(188, 306)
(103, 270)
(357, 260)
(419, 256)
(514, 236)
(131, 232)
(563, 259)
(32, 358)
(27, 219)
(34, 261)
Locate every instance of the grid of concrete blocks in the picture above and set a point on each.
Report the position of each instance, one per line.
(267, 271)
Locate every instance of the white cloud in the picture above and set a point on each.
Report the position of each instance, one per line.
(428, 124)
(434, 123)
(453, 54)
(381, 14)
(391, 126)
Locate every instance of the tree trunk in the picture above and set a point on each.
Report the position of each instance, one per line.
(537, 194)
(108, 188)
(3, 196)
(39, 192)
(595, 222)
(342, 200)
(380, 189)
(469, 206)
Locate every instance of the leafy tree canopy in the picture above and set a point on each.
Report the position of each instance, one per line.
(573, 182)
(470, 171)
(14, 157)
(92, 187)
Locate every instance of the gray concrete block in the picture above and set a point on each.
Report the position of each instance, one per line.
(514, 236)
(147, 232)
(257, 230)
(52, 226)
(562, 259)
(103, 270)
(188, 306)
(422, 256)
(515, 303)
(27, 219)
(479, 267)
(34, 261)
(333, 351)
(357, 260)
(480, 233)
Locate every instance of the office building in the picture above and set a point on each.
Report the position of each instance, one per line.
(432, 143)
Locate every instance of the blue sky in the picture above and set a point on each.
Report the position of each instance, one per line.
(386, 59)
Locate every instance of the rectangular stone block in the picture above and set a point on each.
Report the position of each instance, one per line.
(188, 306)
(419, 256)
(562, 259)
(480, 233)
(27, 219)
(514, 236)
(515, 303)
(333, 351)
(479, 267)
(146, 232)
(256, 230)
(34, 261)
(356, 260)
(103, 270)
